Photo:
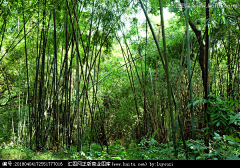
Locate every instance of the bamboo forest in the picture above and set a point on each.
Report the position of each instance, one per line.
(119, 80)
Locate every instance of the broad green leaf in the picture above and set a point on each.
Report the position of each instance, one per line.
(223, 18)
(231, 138)
(217, 137)
(233, 143)
(216, 134)
(235, 157)
(234, 118)
(207, 155)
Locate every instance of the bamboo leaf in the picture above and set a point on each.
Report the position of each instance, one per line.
(196, 102)
(214, 122)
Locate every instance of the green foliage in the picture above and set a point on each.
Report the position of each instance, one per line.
(235, 119)
(196, 102)
(126, 89)
(221, 148)
(150, 149)
(227, 145)
(220, 112)
(6, 130)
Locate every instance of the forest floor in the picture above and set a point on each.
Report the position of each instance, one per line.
(116, 152)
(151, 151)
